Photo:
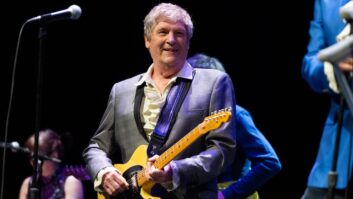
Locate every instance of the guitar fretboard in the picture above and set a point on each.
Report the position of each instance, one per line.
(210, 123)
(173, 151)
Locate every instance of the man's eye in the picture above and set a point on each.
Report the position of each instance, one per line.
(162, 32)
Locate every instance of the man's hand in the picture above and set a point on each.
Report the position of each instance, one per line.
(114, 183)
(158, 175)
(346, 65)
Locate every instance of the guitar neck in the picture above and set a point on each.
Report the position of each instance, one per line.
(178, 147)
(210, 123)
(173, 151)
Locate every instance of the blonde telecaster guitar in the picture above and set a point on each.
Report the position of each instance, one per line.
(135, 167)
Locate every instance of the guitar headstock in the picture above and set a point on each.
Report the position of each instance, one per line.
(79, 171)
(216, 119)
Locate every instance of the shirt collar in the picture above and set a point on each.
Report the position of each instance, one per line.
(185, 72)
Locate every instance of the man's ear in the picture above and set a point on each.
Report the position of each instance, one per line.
(147, 42)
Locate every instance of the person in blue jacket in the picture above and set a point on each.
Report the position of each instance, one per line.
(326, 29)
(256, 162)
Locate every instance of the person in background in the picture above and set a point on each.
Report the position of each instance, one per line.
(52, 181)
(327, 28)
(139, 113)
(256, 162)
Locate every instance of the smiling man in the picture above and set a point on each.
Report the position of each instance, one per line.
(149, 113)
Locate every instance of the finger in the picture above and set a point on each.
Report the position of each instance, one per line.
(114, 188)
(123, 183)
(147, 173)
(156, 174)
(153, 158)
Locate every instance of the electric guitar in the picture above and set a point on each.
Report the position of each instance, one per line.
(134, 169)
(78, 171)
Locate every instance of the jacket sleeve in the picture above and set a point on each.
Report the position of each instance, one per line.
(96, 154)
(312, 68)
(264, 160)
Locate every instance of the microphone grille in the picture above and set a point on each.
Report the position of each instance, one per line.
(75, 11)
(15, 144)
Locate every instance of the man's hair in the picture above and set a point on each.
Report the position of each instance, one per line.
(201, 60)
(170, 11)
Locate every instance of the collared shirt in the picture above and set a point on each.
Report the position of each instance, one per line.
(153, 100)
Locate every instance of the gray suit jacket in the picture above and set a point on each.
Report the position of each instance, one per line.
(120, 133)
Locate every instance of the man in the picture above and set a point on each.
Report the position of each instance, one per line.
(327, 28)
(158, 108)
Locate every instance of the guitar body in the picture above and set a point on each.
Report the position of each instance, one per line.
(136, 163)
(138, 158)
(134, 169)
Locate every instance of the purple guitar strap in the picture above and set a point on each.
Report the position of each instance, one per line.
(168, 115)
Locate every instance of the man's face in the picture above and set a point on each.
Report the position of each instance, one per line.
(169, 43)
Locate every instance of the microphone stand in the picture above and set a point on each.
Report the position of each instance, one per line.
(332, 175)
(346, 98)
(349, 189)
(35, 189)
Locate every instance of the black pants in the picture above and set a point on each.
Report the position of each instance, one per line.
(316, 193)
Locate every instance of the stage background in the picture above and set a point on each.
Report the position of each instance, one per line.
(260, 44)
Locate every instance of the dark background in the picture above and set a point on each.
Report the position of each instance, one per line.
(260, 44)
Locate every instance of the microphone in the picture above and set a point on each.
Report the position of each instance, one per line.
(346, 11)
(338, 51)
(73, 12)
(14, 146)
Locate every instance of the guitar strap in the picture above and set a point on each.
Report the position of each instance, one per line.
(168, 115)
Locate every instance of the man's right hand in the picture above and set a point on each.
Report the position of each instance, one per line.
(346, 65)
(114, 183)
